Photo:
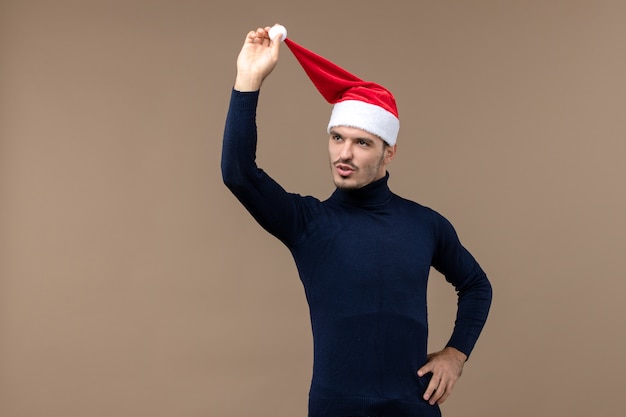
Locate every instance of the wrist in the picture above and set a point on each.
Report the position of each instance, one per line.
(247, 83)
(462, 357)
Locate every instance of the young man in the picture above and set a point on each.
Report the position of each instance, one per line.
(364, 254)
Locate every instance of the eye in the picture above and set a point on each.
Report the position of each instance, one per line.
(336, 138)
(362, 142)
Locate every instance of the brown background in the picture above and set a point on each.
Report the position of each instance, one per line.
(133, 284)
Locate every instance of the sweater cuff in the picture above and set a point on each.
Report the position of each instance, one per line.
(463, 344)
(244, 100)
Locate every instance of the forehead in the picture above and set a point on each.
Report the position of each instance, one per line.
(354, 133)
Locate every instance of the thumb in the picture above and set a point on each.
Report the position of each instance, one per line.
(275, 44)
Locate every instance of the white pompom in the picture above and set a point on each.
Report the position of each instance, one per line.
(278, 30)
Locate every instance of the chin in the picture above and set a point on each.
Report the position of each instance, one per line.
(345, 184)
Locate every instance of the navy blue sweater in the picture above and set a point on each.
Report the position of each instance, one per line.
(363, 257)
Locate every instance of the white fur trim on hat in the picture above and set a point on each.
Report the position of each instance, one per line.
(369, 117)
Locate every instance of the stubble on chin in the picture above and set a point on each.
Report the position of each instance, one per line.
(345, 186)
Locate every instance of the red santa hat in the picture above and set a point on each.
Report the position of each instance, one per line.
(357, 103)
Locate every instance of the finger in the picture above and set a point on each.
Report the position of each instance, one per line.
(255, 36)
(444, 397)
(424, 370)
(262, 34)
(278, 38)
(275, 44)
(429, 394)
(439, 393)
(250, 36)
(266, 40)
(446, 390)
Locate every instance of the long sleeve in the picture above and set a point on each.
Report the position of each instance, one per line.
(279, 212)
(470, 281)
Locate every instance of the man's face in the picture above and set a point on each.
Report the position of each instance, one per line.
(357, 158)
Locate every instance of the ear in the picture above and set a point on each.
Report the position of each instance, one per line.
(390, 153)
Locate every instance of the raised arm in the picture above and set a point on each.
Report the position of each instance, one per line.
(279, 212)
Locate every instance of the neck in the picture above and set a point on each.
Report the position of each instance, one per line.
(372, 194)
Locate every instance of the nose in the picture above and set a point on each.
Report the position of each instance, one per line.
(345, 152)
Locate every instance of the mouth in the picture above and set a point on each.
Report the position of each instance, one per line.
(344, 170)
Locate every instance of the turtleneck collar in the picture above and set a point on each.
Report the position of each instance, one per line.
(373, 194)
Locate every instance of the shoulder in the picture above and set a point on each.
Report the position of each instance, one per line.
(414, 206)
(428, 214)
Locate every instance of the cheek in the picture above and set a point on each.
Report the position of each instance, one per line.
(372, 160)
(334, 152)
(331, 150)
